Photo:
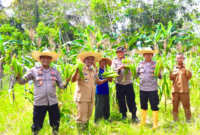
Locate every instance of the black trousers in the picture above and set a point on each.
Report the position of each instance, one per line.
(153, 98)
(102, 107)
(39, 113)
(125, 94)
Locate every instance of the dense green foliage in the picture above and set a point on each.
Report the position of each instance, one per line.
(70, 27)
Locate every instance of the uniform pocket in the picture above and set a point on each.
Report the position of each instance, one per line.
(39, 81)
(151, 74)
(53, 81)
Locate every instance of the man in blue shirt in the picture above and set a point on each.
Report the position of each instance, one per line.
(102, 105)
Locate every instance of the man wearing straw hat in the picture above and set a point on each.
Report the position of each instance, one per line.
(148, 85)
(124, 89)
(85, 89)
(45, 79)
(102, 104)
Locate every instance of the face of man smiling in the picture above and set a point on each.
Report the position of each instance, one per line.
(89, 61)
(45, 60)
(148, 57)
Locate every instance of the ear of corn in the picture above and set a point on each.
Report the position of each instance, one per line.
(18, 70)
(69, 71)
(133, 70)
(80, 66)
(127, 63)
(109, 72)
(14, 64)
(159, 66)
(188, 63)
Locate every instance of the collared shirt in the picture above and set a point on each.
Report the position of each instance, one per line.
(128, 80)
(102, 89)
(180, 77)
(44, 85)
(145, 71)
(85, 88)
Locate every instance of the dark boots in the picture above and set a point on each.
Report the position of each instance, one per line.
(134, 117)
(124, 116)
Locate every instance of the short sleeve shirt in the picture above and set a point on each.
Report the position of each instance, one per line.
(102, 89)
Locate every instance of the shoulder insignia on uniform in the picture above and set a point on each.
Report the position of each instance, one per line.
(40, 72)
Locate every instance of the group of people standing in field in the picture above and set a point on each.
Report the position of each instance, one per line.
(94, 89)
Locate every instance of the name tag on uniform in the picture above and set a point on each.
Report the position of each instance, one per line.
(40, 74)
(152, 65)
(39, 78)
(53, 78)
(141, 70)
(85, 74)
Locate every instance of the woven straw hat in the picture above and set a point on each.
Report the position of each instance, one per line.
(97, 56)
(108, 61)
(147, 50)
(36, 55)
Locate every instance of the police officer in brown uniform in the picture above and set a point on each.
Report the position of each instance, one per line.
(124, 89)
(85, 89)
(45, 79)
(148, 85)
(180, 88)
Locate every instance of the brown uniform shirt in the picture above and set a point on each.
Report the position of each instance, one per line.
(44, 85)
(128, 80)
(85, 88)
(180, 79)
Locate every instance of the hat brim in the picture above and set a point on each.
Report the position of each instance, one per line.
(108, 61)
(121, 50)
(147, 51)
(36, 55)
(97, 56)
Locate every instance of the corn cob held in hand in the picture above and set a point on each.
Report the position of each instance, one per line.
(109, 72)
(188, 64)
(80, 66)
(17, 68)
(159, 66)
